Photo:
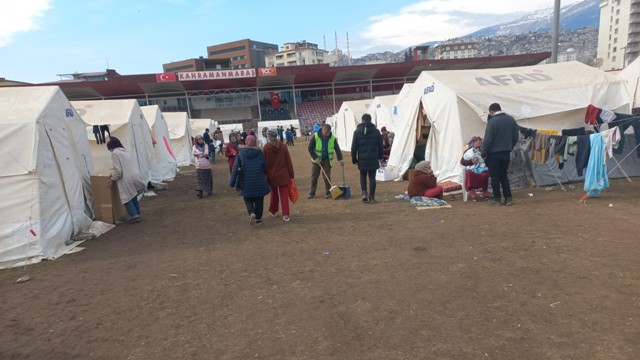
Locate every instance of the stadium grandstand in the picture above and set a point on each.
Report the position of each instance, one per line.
(310, 93)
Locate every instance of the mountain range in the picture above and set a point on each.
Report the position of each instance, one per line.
(574, 16)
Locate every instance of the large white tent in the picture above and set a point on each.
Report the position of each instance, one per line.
(455, 103)
(631, 73)
(127, 123)
(381, 110)
(45, 167)
(199, 125)
(167, 164)
(346, 120)
(228, 129)
(286, 124)
(180, 137)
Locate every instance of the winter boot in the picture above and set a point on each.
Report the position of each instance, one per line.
(372, 199)
(365, 198)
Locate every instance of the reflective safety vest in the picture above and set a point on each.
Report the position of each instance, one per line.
(330, 144)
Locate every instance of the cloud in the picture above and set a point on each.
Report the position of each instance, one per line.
(433, 20)
(20, 16)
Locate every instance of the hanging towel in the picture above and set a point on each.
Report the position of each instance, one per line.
(596, 179)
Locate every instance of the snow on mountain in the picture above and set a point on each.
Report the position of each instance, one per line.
(574, 16)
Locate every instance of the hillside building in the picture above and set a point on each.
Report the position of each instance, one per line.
(619, 33)
(456, 50)
(298, 53)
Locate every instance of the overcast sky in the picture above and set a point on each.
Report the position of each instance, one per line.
(42, 38)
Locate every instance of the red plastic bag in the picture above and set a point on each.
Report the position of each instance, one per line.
(293, 191)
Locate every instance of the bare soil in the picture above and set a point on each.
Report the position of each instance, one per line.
(547, 278)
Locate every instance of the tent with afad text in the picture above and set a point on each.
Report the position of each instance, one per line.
(453, 105)
(45, 183)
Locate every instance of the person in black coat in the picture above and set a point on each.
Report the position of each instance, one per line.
(253, 178)
(367, 153)
(500, 136)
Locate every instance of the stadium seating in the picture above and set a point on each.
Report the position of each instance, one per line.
(312, 112)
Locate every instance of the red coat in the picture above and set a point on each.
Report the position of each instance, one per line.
(420, 182)
(228, 152)
(279, 165)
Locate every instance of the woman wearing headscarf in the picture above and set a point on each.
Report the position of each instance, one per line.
(279, 174)
(203, 167)
(232, 148)
(424, 183)
(476, 171)
(251, 165)
(127, 177)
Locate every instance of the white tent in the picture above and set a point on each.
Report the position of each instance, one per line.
(347, 119)
(199, 125)
(167, 165)
(272, 124)
(228, 129)
(455, 103)
(631, 74)
(381, 110)
(180, 137)
(127, 123)
(45, 167)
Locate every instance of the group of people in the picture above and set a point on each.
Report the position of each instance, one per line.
(366, 152)
(260, 170)
(263, 166)
(483, 159)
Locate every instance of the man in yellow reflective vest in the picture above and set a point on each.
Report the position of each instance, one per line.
(321, 148)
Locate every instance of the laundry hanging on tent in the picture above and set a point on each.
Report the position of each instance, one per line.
(596, 179)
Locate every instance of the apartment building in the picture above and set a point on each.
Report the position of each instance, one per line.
(619, 33)
(297, 53)
(243, 54)
(456, 50)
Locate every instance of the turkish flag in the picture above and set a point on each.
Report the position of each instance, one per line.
(275, 100)
(164, 77)
(272, 71)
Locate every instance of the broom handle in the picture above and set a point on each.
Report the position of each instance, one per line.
(325, 174)
(344, 182)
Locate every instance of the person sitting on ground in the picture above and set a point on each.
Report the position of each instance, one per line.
(477, 172)
(424, 183)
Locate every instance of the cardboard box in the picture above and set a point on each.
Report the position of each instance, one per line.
(106, 201)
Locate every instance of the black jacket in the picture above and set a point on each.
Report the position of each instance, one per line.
(366, 147)
(501, 134)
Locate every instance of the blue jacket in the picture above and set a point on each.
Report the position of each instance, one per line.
(254, 181)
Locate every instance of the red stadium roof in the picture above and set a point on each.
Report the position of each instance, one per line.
(307, 77)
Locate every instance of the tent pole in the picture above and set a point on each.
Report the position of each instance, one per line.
(258, 98)
(295, 106)
(371, 88)
(333, 95)
(188, 106)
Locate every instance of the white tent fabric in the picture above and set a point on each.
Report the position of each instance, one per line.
(45, 168)
(553, 96)
(381, 110)
(631, 74)
(198, 126)
(167, 164)
(284, 123)
(228, 129)
(180, 136)
(127, 123)
(346, 121)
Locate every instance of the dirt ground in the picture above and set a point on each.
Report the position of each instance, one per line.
(547, 278)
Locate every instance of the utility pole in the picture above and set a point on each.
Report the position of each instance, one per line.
(556, 32)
